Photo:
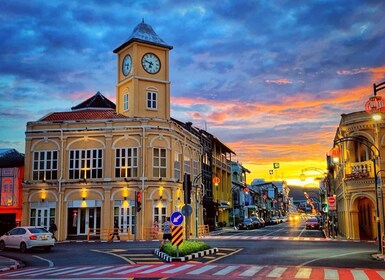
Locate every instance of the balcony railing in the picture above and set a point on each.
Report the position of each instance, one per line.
(359, 170)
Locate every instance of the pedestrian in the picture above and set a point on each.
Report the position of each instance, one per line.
(53, 229)
(115, 232)
(155, 229)
(166, 231)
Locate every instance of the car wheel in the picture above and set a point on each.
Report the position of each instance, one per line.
(23, 247)
(2, 245)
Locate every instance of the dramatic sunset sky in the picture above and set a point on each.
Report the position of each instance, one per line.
(270, 79)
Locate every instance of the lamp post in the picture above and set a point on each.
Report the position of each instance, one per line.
(302, 177)
(216, 181)
(375, 152)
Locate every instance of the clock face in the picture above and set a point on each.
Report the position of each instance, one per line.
(151, 63)
(126, 65)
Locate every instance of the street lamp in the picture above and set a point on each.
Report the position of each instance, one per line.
(375, 152)
(302, 177)
(216, 181)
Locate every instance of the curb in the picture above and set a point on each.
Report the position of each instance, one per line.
(7, 267)
(379, 257)
(199, 254)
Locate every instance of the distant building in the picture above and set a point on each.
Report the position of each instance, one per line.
(11, 174)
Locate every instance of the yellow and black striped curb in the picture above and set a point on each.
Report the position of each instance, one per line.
(199, 254)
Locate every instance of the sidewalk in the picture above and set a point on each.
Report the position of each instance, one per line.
(8, 264)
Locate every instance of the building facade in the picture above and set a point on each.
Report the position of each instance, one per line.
(101, 163)
(356, 159)
(11, 176)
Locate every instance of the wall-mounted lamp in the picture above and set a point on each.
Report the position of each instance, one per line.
(42, 200)
(125, 198)
(84, 198)
(160, 179)
(85, 181)
(161, 198)
(178, 198)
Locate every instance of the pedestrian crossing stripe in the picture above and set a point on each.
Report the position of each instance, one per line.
(199, 270)
(176, 235)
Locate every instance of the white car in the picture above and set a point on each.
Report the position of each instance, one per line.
(24, 238)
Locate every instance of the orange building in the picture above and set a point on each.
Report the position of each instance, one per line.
(11, 174)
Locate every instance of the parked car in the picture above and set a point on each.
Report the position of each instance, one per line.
(246, 223)
(256, 222)
(262, 221)
(312, 223)
(283, 219)
(274, 220)
(24, 238)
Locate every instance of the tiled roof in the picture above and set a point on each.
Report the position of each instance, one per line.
(97, 101)
(83, 115)
(11, 158)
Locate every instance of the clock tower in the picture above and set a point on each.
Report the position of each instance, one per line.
(143, 86)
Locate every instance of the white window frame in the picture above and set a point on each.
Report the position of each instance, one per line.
(151, 100)
(187, 165)
(45, 165)
(85, 164)
(177, 165)
(159, 163)
(126, 102)
(126, 166)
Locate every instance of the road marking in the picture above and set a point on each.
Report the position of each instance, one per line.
(359, 275)
(202, 269)
(133, 269)
(226, 270)
(66, 272)
(50, 263)
(334, 256)
(303, 272)
(111, 270)
(91, 271)
(251, 271)
(277, 272)
(116, 255)
(331, 274)
(156, 269)
(180, 268)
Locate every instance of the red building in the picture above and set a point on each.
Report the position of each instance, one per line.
(11, 176)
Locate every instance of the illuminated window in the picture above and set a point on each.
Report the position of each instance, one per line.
(84, 164)
(45, 165)
(126, 162)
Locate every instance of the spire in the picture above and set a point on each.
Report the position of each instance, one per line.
(144, 33)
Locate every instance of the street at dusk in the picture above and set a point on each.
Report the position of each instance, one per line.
(192, 139)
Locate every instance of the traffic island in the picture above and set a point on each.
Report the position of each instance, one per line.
(199, 254)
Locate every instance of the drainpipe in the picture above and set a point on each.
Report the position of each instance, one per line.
(60, 183)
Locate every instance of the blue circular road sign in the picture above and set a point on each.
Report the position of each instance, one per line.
(176, 218)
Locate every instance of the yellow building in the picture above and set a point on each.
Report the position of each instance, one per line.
(85, 168)
(356, 161)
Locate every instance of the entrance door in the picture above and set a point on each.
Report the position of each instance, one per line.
(81, 220)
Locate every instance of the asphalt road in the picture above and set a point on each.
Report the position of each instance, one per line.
(286, 244)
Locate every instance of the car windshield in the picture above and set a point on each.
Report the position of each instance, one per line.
(37, 230)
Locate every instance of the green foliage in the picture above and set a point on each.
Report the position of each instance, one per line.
(186, 248)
